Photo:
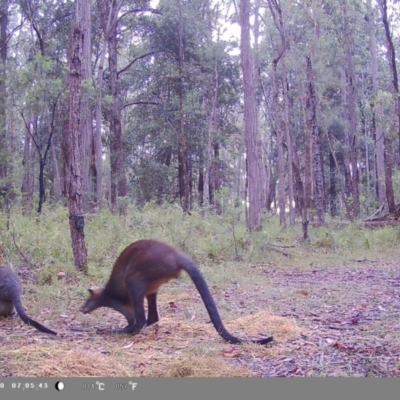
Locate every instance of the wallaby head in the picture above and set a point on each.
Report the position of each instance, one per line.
(94, 301)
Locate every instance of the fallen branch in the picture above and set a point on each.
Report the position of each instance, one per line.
(380, 209)
(270, 247)
(381, 222)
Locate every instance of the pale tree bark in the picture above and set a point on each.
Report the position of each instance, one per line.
(299, 191)
(281, 129)
(316, 145)
(376, 112)
(351, 111)
(277, 14)
(391, 56)
(314, 194)
(250, 120)
(289, 144)
(264, 177)
(72, 145)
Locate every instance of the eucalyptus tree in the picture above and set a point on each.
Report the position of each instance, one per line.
(250, 121)
(73, 138)
(376, 125)
(109, 18)
(391, 57)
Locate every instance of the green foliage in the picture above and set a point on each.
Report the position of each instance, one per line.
(41, 83)
(152, 180)
(356, 240)
(44, 242)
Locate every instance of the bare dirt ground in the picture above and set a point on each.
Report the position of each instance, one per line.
(350, 316)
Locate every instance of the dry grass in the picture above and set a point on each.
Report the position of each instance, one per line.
(171, 348)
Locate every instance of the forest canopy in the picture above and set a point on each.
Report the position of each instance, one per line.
(277, 106)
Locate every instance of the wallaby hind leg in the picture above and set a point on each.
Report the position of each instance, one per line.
(152, 317)
(7, 309)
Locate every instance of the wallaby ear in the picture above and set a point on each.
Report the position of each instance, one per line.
(93, 291)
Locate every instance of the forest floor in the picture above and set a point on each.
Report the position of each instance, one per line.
(326, 321)
(350, 317)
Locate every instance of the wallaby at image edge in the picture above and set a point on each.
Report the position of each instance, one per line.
(10, 298)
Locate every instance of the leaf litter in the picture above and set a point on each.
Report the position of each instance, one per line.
(351, 320)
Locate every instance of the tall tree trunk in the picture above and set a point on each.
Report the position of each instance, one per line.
(289, 144)
(388, 157)
(211, 120)
(4, 153)
(299, 189)
(107, 22)
(211, 112)
(332, 185)
(391, 56)
(98, 145)
(316, 145)
(216, 167)
(281, 123)
(108, 13)
(310, 128)
(118, 178)
(73, 141)
(86, 109)
(212, 163)
(28, 165)
(250, 120)
(56, 173)
(264, 177)
(278, 131)
(183, 148)
(351, 108)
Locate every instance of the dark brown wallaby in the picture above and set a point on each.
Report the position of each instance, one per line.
(139, 272)
(10, 297)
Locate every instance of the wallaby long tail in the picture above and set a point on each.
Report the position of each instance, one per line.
(211, 307)
(29, 321)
